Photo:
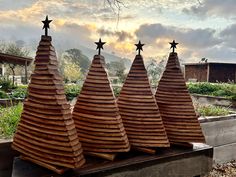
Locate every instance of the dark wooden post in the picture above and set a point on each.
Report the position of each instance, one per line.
(26, 73)
(12, 67)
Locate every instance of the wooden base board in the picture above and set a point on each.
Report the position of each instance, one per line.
(107, 156)
(187, 145)
(57, 169)
(145, 150)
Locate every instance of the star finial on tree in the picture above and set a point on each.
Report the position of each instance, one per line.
(99, 45)
(139, 46)
(46, 25)
(173, 45)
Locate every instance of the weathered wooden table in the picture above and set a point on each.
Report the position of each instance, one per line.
(173, 162)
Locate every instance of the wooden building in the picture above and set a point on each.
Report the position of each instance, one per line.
(210, 72)
(14, 60)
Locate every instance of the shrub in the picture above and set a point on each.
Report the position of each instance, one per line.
(9, 118)
(3, 94)
(5, 84)
(19, 92)
(214, 89)
(210, 110)
(72, 91)
(116, 91)
(202, 88)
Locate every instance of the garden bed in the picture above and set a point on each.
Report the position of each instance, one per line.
(219, 94)
(6, 102)
(6, 157)
(214, 100)
(220, 133)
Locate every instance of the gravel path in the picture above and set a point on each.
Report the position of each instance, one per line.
(223, 170)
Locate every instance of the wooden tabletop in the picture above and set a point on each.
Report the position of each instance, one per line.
(131, 160)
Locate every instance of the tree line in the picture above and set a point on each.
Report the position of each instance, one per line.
(74, 65)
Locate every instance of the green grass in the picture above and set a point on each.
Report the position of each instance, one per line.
(213, 89)
(9, 118)
(210, 110)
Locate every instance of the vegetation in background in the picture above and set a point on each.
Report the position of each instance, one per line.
(16, 48)
(9, 118)
(74, 65)
(211, 110)
(154, 70)
(6, 84)
(116, 91)
(72, 91)
(3, 94)
(117, 68)
(72, 72)
(19, 92)
(213, 89)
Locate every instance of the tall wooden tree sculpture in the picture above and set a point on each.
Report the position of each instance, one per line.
(96, 114)
(175, 104)
(46, 133)
(139, 110)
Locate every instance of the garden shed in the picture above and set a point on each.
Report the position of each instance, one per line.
(14, 60)
(210, 72)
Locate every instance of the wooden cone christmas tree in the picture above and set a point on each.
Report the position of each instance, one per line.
(139, 110)
(175, 104)
(96, 114)
(46, 133)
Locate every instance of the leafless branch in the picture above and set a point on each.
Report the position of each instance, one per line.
(116, 5)
(199, 2)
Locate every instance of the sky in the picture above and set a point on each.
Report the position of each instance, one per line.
(203, 28)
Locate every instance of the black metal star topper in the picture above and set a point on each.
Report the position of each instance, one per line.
(139, 46)
(173, 45)
(46, 25)
(99, 45)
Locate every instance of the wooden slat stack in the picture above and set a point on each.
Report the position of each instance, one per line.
(96, 114)
(139, 110)
(176, 107)
(46, 133)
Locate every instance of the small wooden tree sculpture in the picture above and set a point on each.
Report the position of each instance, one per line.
(175, 104)
(139, 110)
(46, 133)
(96, 114)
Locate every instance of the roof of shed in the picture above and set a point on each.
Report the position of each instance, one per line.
(6, 58)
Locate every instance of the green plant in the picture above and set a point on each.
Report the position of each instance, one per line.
(116, 91)
(202, 88)
(9, 118)
(210, 110)
(5, 84)
(19, 92)
(213, 89)
(3, 94)
(72, 91)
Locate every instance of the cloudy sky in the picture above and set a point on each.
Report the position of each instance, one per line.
(203, 28)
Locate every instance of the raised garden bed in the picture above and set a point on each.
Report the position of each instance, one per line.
(6, 157)
(220, 133)
(214, 100)
(6, 102)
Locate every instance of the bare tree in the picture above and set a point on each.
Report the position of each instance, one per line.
(116, 6)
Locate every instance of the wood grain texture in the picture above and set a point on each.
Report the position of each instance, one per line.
(96, 115)
(139, 110)
(46, 133)
(176, 107)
